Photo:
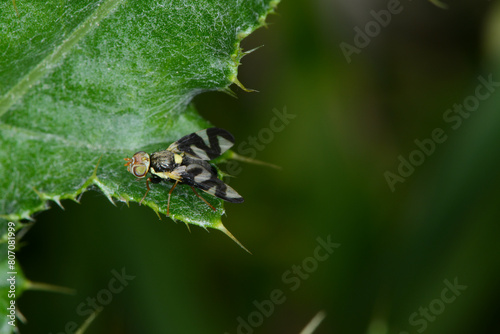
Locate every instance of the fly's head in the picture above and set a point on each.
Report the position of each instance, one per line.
(138, 164)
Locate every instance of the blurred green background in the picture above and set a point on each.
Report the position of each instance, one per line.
(399, 250)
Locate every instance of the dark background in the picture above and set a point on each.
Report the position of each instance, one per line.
(352, 122)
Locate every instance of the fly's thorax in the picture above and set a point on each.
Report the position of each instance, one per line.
(164, 161)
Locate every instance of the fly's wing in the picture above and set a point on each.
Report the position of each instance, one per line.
(206, 144)
(207, 180)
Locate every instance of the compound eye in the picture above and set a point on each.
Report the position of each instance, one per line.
(140, 170)
(139, 164)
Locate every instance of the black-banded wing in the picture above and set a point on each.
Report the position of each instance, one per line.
(208, 181)
(206, 144)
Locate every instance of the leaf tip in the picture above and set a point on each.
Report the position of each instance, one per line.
(244, 53)
(274, 5)
(233, 155)
(21, 317)
(156, 209)
(239, 84)
(229, 92)
(50, 287)
(272, 10)
(46, 197)
(262, 22)
(100, 185)
(224, 230)
(87, 322)
(57, 200)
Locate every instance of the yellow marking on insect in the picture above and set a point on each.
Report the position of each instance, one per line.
(177, 158)
(167, 175)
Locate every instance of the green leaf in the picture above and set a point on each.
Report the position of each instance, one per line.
(85, 84)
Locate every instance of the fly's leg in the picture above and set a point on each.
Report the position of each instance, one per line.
(204, 200)
(147, 186)
(169, 193)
